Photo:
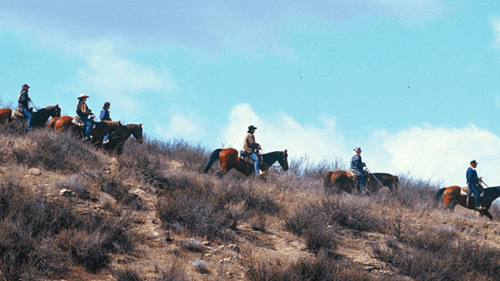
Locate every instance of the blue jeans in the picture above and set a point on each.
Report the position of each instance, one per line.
(28, 115)
(256, 161)
(474, 189)
(88, 126)
(106, 136)
(361, 177)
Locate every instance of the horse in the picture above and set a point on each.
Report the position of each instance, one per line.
(229, 159)
(64, 123)
(121, 134)
(451, 197)
(100, 129)
(40, 117)
(342, 181)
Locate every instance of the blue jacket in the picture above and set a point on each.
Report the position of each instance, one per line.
(105, 115)
(23, 100)
(472, 177)
(357, 164)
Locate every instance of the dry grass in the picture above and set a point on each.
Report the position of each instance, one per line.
(155, 216)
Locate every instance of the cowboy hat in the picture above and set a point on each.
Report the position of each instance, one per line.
(81, 96)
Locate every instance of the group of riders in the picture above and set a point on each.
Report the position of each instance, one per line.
(359, 169)
(250, 146)
(82, 111)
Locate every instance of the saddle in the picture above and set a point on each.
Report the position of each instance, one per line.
(245, 156)
(16, 113)
(350, 174)
(465, 191)
(79, 122)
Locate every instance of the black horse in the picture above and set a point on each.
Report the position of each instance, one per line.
(41, 116)
(229, 159)
(118, 137)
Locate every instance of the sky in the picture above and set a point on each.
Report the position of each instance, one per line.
(414, 83)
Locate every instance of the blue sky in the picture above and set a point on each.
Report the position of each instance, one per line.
(414, 83)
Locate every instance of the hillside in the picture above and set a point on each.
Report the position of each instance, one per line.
(71, 212)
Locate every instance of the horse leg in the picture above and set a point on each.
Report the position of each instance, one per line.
(487, 214)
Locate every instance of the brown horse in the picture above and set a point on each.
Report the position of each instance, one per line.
(40, 117)
(451, 197)
(100, 129)
(121, 134)
(64, 123)
(229, 159)
(374, 182)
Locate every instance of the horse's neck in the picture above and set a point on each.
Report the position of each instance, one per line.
(495, 192)
(41, 115)
(270, 158)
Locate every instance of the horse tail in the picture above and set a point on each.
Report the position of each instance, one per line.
(213, 157)
(439, 194)
(52, 122)
(327, 179)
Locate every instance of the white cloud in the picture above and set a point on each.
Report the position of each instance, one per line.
(181, 126)
(117, 78)
(439, 153)
(495, 24)
(283, 132)
(432, 153)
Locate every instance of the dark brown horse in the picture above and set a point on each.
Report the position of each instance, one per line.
(451, 197)
(121, 134)
(340, 180)
(229, 159)
(40, 116)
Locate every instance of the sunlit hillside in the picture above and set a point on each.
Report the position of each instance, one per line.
(71, 212)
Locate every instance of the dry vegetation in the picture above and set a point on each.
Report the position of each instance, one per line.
(150, 214)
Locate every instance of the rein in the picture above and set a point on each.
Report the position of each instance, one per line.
(374, 177)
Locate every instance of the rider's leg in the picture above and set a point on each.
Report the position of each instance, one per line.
(255, 159)
(28, 115)
(362, 183)
(477, 199)
(88, 127)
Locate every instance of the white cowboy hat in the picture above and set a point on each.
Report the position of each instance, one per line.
(81, 96)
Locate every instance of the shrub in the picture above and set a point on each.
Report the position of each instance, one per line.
(126, 274)
(55, 151)
(321, 267)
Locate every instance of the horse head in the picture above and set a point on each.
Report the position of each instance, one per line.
(283, 160)
(136, 131)
(54, 111)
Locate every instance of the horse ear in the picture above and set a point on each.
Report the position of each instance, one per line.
(285, 151)
(119, 122)
(140, 125)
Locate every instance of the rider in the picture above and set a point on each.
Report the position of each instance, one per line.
(357, 166)
(473, 181)
(105, 117)
(250, 146)
(83, 112)
(23, 105)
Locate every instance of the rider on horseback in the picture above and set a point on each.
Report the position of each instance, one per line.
(250, 147)
(83, 112)
(357, 166)
(473, 183)
(105, 117)
(23, 105)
